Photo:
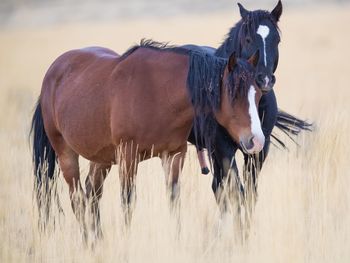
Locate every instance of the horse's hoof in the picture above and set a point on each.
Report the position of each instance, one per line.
(205, 170)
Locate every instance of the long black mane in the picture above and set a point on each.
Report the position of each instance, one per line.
(204, 81)
(245, 27)
(149, 43)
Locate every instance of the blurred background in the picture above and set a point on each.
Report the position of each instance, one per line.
(302, 214)
(48, 12)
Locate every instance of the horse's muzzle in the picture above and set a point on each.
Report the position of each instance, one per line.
(266, 90)
(265, 82)
(253, 145)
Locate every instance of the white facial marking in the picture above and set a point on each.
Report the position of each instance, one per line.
(266, 81)
(254, 117)
(263, 31)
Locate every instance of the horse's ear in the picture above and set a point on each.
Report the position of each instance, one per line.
(244, 12)
(232, 61)
(277, 11)
(254, 59)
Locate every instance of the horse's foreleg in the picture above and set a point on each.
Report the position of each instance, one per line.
(69, 164)
(127, 174)
(94, 189)
(252, 167)
(229, 191)
(173, 164)
(226, 184)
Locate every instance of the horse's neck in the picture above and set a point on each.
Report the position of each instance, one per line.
(230, 44)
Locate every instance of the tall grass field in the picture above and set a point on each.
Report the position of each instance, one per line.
(303, 208)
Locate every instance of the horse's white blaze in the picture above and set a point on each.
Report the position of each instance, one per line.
(263, 31)
(267, 81)
(254, 117)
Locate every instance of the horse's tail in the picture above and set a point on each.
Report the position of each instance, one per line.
(290, 125)
(44, 159)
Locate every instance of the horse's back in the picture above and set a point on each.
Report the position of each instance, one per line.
(205, 49)
(98, 51)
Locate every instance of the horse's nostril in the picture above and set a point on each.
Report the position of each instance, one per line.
(260, 78)
(273, 79)
(250, 143)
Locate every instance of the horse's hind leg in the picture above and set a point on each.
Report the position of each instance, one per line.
(94, 189)
(69, 164)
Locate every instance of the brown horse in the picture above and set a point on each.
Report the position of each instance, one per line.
(114, 109)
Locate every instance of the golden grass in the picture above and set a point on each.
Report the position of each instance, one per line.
(302, 214)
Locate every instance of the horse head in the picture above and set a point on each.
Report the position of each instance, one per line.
(240, 96)
(259, 31)
(256, 31)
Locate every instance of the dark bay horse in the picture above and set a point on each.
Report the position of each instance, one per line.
(121, 110)
(256, 31)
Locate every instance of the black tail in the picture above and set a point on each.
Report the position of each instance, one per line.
(290, 125)
(44, 156)
(44, 159)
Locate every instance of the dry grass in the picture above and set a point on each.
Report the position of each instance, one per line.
(303, 210)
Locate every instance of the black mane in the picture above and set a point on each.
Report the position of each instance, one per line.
(149, 43)
(245, 27)
(204, 81)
